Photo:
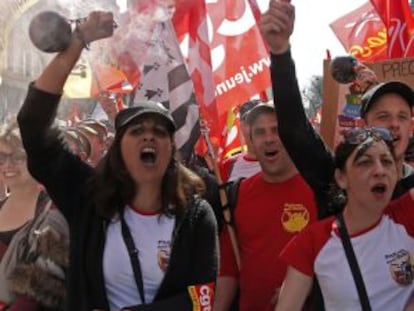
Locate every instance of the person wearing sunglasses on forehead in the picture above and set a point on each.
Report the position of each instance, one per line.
(385, 105)
(315, 162)
(381, 233)
(25, 284)
(142, 238)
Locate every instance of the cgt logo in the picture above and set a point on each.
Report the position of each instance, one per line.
(225, 20)
(222, 26)
(202, 296)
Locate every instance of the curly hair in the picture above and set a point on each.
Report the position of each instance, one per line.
(112, 187)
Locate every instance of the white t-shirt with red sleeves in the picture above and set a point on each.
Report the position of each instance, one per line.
(385, 254)
(243, 167)
(152, 235)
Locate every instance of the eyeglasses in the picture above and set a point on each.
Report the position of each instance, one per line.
(15, 158)
(358, 135)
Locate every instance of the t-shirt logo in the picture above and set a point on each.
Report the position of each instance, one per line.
(295, 217)
(163, 255)
(401, 266)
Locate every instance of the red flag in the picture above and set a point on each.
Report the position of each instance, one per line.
(221, 80)
(396, 16)
(362, 33)
(240, 58)
(119, 102)
(190, 23)
(231, 143)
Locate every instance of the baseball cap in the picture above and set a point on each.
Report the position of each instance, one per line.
(257, 110)
(147, 107)
(374, 93)
(78, 137)
(247, 106)
(96, 125)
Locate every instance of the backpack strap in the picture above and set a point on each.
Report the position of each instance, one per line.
(232, 191)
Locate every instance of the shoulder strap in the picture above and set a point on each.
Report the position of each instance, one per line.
(232, 190)
(352, 261)
(133, 257)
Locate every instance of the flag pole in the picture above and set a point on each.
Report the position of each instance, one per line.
(222, 193)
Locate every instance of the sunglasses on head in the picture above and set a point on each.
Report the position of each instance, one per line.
(15, 158)
(358, 135)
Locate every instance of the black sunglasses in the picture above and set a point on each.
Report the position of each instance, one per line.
(358, 135)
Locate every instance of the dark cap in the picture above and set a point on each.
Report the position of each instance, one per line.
(247, 106)
(374, 93)
(258, 110)
(125, 116)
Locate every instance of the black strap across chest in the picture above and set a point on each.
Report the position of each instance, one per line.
(356, 272)
(133, 256)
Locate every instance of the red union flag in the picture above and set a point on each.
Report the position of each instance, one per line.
(240, 59)
(225, 54)
(396, 16)
(362, 33)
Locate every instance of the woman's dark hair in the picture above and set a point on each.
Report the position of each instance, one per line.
(111, 187)
(343, 151)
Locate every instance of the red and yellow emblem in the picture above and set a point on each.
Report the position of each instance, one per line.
(295, 217)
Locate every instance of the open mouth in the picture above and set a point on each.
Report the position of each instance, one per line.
(395, 138)
(271, 153)
(148, 155)
(379, 188)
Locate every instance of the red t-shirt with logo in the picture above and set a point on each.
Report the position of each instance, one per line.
(267, 216)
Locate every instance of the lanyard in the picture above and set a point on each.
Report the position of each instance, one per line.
(133, 256)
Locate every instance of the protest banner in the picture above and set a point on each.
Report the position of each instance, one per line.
(334, 94)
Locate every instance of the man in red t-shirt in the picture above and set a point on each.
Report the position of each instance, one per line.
(272, 207)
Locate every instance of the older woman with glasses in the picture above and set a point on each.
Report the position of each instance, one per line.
(379, 235)
(25, 283)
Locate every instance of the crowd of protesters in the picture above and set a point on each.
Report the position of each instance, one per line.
(103, 215)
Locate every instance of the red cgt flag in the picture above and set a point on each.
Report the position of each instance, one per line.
(240, 58)
(362, 33)
(396, 16)
(230, 63)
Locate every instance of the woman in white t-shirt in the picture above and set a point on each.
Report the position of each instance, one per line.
(141, 237)
(381, 234)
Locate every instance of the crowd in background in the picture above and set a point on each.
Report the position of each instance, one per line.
(104, 215)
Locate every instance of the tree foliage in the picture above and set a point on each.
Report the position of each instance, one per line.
(312, 95)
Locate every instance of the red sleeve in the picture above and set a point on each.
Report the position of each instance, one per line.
(228, 265)
(225, 167)
(24, 303)
(401, 210)
(301, 251)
